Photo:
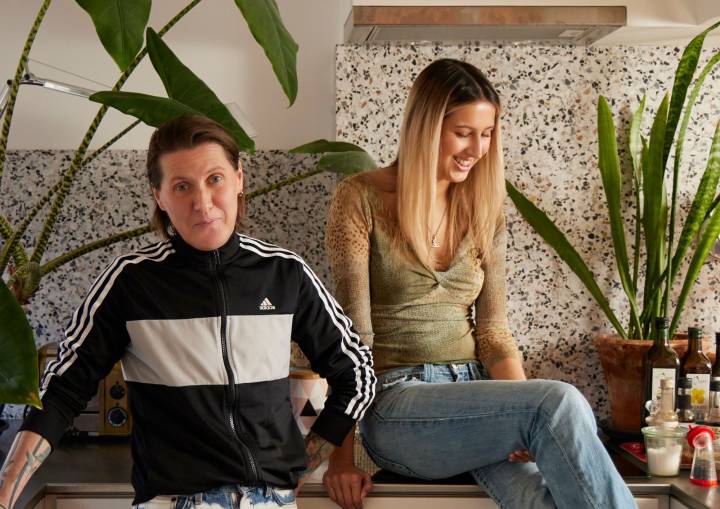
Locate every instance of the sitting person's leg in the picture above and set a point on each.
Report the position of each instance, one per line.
(436, 430)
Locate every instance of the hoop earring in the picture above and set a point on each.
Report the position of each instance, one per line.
(241, 194)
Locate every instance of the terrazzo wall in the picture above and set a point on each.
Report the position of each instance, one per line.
(111, 196)
(549, 98)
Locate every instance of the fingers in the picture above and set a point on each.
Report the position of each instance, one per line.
(521, 455)
(348, 489)
(367, 485)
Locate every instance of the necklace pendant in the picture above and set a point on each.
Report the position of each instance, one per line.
(434, 242)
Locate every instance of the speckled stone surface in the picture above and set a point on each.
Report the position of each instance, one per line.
(549, 99)
(111, 196)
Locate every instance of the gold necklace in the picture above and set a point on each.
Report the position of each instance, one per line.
(433, 241)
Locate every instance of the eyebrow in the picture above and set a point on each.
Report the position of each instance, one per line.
(209, 171)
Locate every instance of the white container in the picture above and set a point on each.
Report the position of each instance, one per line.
(663, 447)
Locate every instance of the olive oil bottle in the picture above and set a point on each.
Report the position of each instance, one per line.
(696, 366)
(660, 362)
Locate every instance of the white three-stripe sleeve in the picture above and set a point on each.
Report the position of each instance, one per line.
(321, 321)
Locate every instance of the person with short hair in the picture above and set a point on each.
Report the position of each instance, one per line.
(417, 252)
(202, 323)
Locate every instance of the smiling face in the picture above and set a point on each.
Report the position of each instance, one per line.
(199, 192)
(464, 140)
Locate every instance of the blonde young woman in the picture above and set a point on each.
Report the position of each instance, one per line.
(418, 255)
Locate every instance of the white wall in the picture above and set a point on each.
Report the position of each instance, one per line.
(213, 40)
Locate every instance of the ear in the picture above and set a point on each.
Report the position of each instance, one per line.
(156, 195)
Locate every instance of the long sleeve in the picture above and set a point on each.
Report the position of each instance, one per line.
(335, 351)
(94, 341)
(494, 340)
(347, 244)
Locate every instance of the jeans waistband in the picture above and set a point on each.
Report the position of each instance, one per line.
(432, 372)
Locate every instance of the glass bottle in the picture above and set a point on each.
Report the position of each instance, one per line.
(660, 362)
(696, 366)
(716, 364)
(684, 401)
(713, 416)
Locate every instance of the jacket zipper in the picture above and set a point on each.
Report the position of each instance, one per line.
(226, 361)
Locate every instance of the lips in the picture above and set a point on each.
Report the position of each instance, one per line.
(464, 164)
(206, 222)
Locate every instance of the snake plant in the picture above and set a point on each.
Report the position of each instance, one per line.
(655, 214)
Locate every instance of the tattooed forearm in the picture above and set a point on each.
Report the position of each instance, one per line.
(318, 450)
(33, 460)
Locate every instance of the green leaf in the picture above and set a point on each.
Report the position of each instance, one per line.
(540, 222)
(609, 163)
(683, 76)
(707, 240)
(322, 146)
(708, 183)
(655, 200)
(635, 142)
(266, 25)
(346, 163)
(185, 87)
(18, 356)
(152, 110)
(120, 25)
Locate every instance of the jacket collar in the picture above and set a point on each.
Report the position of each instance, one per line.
(224, 253)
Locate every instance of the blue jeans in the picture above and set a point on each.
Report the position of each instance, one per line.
(227, 497)
(439, 420)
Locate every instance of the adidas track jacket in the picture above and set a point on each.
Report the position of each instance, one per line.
(204, 340)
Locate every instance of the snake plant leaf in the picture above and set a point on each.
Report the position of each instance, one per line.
(655, 200)
(708, 183)
(609, 163)
(683, 76)
(18, 356)
(346, 163)
(152, 110)
(708, 238)
(322, 146)
(182, 85)
(635, 143)
(120, 24)
(266, 25)
(540, 222)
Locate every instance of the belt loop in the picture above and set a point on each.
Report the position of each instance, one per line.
(454, 371)
(198, 498)
(429, 374)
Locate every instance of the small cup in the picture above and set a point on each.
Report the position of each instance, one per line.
(663, 447)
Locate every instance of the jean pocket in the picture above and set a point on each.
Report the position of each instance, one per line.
(282, 497)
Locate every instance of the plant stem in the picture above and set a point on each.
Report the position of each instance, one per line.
(98, 244)
(283, 183)
(18, 251)
(76, 165)
(107, 145)
(15, 85)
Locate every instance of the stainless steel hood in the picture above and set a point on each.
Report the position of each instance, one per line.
(537, 24)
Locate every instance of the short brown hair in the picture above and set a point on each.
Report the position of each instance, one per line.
(182, 133)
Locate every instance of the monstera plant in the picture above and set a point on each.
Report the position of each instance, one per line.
(655, 214)
(122, 29)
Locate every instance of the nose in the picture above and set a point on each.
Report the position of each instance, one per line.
(202, 199)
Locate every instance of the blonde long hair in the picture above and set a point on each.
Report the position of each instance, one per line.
(475, 205)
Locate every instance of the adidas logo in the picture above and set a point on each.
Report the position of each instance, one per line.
(266, 305)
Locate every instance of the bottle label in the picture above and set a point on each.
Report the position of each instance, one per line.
(700, 392)
(657, 375)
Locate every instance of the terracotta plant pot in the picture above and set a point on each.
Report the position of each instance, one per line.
(622, 362)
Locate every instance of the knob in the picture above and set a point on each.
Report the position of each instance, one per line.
(117, 416)
(117, 391)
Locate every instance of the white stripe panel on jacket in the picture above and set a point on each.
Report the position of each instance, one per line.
(82, 321)
(258, 347)
(350, 344)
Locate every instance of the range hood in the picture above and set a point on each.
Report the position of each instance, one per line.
(538, 24)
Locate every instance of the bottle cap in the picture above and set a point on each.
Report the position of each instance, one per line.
(662, 322)
(685, 383)
(696, 430)
(695, 332)
(715, 385)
